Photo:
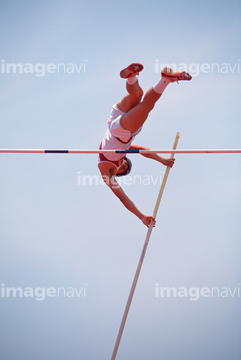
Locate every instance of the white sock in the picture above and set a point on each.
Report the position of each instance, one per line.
(161, 85)
(131, 80)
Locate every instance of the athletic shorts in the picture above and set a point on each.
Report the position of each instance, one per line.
(116, 138)
(115, 127)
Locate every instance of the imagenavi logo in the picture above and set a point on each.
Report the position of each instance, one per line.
(42, 293)
(41, 69)
(196, 293)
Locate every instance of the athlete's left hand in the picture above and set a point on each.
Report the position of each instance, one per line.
(147, 220)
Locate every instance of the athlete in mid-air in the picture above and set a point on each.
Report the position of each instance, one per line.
(126, 120)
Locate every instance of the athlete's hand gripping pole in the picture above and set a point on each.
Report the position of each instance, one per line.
(143, 254)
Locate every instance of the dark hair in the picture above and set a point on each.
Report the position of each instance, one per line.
(128, 170)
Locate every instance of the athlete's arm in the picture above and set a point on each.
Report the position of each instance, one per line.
(111, 182)
(165, 161)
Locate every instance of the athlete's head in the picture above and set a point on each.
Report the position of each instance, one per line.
(125, 167)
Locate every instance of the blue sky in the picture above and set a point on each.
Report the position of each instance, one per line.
(57, 233)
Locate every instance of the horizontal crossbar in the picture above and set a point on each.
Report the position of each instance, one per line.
(159, 151)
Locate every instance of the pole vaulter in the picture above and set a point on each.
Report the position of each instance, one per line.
(126, 120)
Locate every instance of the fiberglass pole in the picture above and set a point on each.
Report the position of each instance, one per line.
(142, 255)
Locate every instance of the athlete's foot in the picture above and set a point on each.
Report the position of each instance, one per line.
(131, 70)
(175, 75)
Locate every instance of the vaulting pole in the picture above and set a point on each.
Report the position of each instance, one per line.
(142, 256)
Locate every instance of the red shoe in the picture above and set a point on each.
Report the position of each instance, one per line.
(175, 75)
(131, 70)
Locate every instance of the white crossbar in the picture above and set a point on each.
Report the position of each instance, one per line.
(86, 151)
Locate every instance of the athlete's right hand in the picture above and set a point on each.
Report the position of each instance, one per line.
(168, 161)
(147, 220)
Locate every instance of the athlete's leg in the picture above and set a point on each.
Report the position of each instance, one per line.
(133, 97)
(133, 88)
(137, 115)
